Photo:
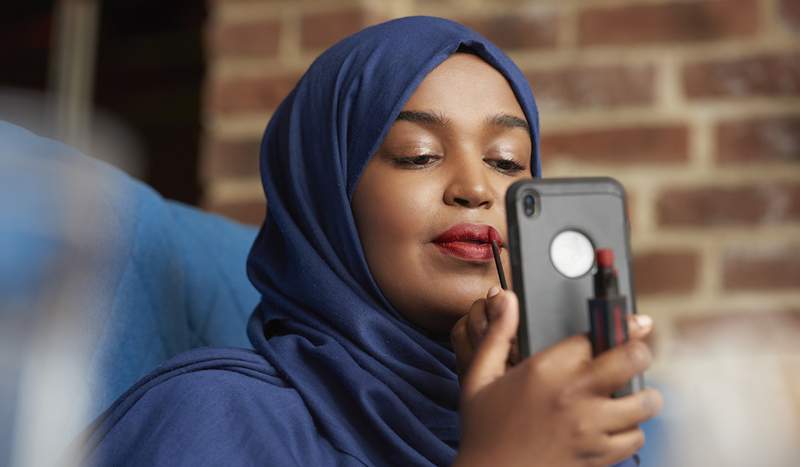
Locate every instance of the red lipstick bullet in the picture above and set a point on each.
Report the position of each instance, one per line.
(608, 311)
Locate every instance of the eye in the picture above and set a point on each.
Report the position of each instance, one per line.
(417, 162)
(506, 166)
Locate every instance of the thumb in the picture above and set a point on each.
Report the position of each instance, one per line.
(489, 361)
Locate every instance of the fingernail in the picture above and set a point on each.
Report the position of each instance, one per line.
(493, 291)
(644, 321)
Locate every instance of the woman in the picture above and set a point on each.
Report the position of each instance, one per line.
(383, 169)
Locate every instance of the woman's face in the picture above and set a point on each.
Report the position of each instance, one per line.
(429, 197)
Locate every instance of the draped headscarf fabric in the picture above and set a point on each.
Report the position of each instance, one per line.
(337, 376)
(379, 388)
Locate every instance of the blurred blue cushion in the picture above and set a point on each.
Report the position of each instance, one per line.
(169, 277)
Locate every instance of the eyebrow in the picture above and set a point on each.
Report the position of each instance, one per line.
(508, 121)
(426, 118)
(437, 119)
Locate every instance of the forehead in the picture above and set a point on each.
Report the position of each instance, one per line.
(464, 87)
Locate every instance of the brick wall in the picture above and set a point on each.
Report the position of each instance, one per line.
(694, 105)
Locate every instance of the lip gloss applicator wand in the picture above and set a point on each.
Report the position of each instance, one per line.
(497, 262)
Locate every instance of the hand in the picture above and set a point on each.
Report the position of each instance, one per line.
(469, 330)
(553, 408)
(468, 333)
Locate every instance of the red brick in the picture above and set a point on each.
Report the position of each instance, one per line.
(789, 12)
(256, 38)
(741, 331)
(759, 140)
(587, 87)
(767, 203)
(775, 269)
(320, 30)
(769, 75)
(231, 159)
(659, 272)
(668, 22)
(246, 211)
(250, 94)
(636, 145)
(516, 31)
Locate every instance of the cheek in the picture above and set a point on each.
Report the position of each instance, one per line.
(396, 215)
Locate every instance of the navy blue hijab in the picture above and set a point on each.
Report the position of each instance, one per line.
(337, 376)
(379, 387)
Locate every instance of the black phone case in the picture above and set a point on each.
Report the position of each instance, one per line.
(553, 306)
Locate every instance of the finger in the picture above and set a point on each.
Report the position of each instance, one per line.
(610, 370)
(567, 357)
(649, 336)
(626, 413)
(489, 360)
(461, 346)
(477, 322)
(621, 446)
(639, 326)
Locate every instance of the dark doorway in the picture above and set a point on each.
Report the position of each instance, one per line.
(149, 74)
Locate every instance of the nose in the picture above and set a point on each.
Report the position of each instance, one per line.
(468, 187)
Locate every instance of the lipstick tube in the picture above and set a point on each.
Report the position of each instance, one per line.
(608, 311)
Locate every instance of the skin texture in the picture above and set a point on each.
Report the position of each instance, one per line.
(401, 204)
(453, 165)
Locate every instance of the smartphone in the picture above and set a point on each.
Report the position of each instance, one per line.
(554, 228)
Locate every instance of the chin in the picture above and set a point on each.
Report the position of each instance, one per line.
(450, 307)
(436, 303)
(463, 292)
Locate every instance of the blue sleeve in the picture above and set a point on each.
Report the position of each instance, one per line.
(215, 417)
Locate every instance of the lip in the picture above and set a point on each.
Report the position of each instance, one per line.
(471, 242)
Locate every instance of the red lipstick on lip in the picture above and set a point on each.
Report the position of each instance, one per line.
(469, 241)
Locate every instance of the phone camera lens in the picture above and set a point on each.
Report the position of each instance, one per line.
(529, 204)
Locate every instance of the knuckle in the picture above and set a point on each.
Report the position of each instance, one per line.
(477, 306)
(593, 451)
(477, 323)
(594, 456)
(535, 375)
(581, 429)
(637, 441)
(565, 398)
(534, 368)
(582, 346)
(638, 354)
(458, 332)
